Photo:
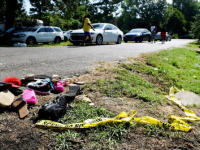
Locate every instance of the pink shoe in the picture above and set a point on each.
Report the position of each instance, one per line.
(29, 96)
(58, 86)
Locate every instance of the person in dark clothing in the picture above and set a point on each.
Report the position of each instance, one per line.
(163, 31)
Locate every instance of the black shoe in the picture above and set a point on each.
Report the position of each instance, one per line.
(42, 87)
(74, 90)
(5, 86)
(56, 109)
(15, 91)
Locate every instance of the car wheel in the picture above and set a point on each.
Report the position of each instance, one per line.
(76, 43)
(149, 39)
(140, 39)
(65, 39)
(8, 41)
(99, 40)
(57, 40)
(31, 41)
(119, 40)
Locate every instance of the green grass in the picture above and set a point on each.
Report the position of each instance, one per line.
(194, 44)
(146, 79)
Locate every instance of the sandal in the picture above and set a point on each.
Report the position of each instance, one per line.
(5, 86)
(55, 78)
(74, 90)
(21, 106)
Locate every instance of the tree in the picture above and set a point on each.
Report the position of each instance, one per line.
(195, 27)
(189, 8)
(2, 9)
(175, 21)
(13, 8)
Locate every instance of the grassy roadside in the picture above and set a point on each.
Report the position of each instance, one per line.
(137, 84)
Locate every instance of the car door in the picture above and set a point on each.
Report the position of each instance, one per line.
(50, 34)
(115, 33)
(107, 34)
(145, 35)
(41, 35)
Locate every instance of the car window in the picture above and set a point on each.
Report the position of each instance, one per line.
(57, 29)
(49, 29)
(10, 30)
(42, 30)
(137, 30)
(98, 26)
(108, 27)
(33, 29)
(113, 27)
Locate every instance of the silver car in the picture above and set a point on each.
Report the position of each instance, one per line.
(39, 34)
(104, 32)
(158, 37)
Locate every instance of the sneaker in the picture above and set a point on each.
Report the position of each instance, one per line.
(41, 86)
(56, 109)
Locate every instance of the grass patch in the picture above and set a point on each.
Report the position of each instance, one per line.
(194, 44)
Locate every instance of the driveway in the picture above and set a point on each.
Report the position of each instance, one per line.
(67, 61)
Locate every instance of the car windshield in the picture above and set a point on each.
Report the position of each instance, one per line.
(10, 30)
(136, 30)
(32, 29)
(98, 26)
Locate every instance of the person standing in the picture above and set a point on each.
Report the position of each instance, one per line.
(163, 34)
(86, 28)
(153, 35)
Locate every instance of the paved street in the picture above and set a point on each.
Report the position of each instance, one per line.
(70, 60)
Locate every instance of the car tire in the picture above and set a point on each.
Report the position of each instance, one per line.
(119, 40)
(65, 39)
(76, 43)
(125, 41)
(140, 39)
(99, 40)
(57, 40)
(31, 41)
(8, 41)
(149, 39)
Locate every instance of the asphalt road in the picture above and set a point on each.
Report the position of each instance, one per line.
(67, 61)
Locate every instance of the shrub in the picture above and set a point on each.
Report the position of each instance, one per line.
(174, 36)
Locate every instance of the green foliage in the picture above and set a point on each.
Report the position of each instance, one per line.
(195, 30)
(174, 36)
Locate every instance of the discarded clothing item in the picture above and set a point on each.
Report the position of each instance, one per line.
(74, 90)
(29, 96)
(58, 86)
(4, 86)
(13, 80)
(21, 106)
(55, 78)
(41, 86)
(6, 98)
(15, 91)
(56, 109)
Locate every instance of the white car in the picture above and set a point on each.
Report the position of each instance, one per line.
(39, 34)
(67, 35)
(104, 32)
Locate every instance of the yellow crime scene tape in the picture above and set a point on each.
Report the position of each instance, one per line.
(175, 123)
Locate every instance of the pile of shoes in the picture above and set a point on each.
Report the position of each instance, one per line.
(42, 85)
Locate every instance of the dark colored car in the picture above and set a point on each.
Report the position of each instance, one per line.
(139, 34)
(187, 36)
(158, 37)
(8, 34)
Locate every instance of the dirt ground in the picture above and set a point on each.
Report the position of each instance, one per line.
(22, 134)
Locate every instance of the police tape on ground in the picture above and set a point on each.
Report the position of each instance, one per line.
(174, 122)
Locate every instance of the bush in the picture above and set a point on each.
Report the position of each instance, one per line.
(174, 36)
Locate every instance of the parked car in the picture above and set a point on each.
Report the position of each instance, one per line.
(138, 34)
(1, 33)
(187, 36)
(39, 34)
(67, 35)
(6, 37)
(104, 32)
(158, 37)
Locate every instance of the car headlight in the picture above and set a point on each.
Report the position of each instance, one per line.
(22, 35)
